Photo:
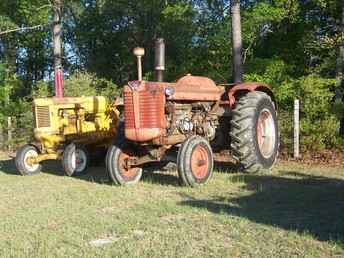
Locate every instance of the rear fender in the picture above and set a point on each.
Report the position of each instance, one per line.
(237, 90)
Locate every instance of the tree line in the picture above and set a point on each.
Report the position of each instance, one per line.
(294, 45)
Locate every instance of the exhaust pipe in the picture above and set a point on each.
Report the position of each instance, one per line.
(159, 59)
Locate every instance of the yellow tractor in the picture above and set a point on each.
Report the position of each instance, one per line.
(67, 129)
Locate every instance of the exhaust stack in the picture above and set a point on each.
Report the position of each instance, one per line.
(139, 52)
(159, 59)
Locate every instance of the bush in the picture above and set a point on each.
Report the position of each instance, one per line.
(86, 84)
(318, 123)
(42, 89)
(270, 71)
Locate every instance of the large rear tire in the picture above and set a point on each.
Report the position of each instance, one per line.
(22, 161)
(117, 168)
(195, 162)
(75, 160)
(254, 132)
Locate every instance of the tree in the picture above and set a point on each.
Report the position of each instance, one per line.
(57, 6)
(340, 69)
(236, 41)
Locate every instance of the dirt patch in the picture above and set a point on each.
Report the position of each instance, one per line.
(327, 157)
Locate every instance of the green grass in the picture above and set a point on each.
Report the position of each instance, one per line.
(297, 211)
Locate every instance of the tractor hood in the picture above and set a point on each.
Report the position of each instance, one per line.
(187, 88)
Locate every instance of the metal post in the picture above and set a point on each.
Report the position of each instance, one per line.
(159, 59)
(9, 133)
(296, 129)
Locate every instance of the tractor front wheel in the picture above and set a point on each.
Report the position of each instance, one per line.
(24, 160)
(75, 160)
(195, 162)
(254, 132)
(118, 168)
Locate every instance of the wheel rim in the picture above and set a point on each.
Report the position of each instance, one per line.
(126, 172)
(29, 165)
(79, 160)
(199, 162)
(266, 133)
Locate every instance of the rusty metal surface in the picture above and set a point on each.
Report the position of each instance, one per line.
(154, 155)
(144, 111)
(250, 86)
(193, 88)
(187, 88)
(170, 140)
(200, 162)
(127, 172)
(144, 103)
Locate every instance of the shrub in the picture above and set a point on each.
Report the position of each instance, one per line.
(318, 123)
(86, 84)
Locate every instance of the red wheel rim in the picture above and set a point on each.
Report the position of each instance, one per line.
(126, 171)
(200, 162)
(260, 130)
(266, 133)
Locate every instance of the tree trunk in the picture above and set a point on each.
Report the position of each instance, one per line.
(57, 6)
(236, 41)
(10, 53)
(340, 73)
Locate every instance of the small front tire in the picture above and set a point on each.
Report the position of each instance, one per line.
(195, 162)
(22, 160)
(117, 168)
(75, 160)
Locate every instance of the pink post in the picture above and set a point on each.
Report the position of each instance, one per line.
(59, 83)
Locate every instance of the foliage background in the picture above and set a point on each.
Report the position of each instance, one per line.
(289, 44)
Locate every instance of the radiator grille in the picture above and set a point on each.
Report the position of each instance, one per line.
(42, 116)
(129, 113)
(150, 110)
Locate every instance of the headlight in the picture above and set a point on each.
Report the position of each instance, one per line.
(169, 91)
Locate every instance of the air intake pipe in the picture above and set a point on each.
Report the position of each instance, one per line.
(139, 52)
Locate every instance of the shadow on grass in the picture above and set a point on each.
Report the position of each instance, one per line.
(226, 167)
(98, 174)
(7, 166)
(168, 175)
(49, 166)
(306, 204)
(53, 167)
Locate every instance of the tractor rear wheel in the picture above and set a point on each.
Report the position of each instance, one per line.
(195, 162)
(23, 160)
(75, 160)
(254, 132)
(117, 166)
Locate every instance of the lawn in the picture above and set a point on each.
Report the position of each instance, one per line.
(295, 211)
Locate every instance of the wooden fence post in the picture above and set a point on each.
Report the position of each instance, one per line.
(296, 129)
(9, 133)
(2, 138)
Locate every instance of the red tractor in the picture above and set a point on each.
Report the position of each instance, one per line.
(189, 120)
